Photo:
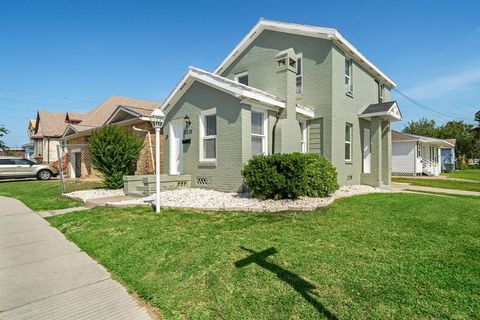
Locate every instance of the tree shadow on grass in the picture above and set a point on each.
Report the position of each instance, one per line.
(303, 287)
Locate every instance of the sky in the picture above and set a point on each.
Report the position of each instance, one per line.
(72, 55)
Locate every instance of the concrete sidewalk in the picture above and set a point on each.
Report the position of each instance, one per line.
(400, 186)
(44, 276)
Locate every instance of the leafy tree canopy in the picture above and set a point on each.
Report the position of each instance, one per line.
(3, 132)
(422, 127)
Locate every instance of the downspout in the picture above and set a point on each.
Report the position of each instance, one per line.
(149, 143)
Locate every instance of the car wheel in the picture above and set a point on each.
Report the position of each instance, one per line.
(44, 175)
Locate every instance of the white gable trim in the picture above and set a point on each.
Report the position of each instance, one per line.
(245, 93)
(122, 109)
(310, 31)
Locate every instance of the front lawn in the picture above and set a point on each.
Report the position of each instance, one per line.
(38, 195)
(468, 174)
(440, 183)
(378, 256)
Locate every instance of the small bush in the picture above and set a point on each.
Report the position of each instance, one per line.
(114, 153)
(463, 165)
(289, 176)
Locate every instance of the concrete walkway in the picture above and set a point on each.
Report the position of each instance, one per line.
(44, 276)
(398, 186)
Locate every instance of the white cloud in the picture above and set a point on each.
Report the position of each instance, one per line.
(446, 84)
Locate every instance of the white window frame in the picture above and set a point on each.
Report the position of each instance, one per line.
(264, 136)
(349, 76)
(303, 139)
(203, 137)
(350, 143)
(241, 74)
(299, 57)
(381, 89)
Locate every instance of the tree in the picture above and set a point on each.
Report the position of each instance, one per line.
(477, 128)
(114, 153)
(3, 132)
(422, 127)
(465, 136)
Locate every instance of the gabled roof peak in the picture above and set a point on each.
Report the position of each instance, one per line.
(306, 30)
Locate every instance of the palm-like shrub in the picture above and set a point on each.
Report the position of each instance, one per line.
(114, 152)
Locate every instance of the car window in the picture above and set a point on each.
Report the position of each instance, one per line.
(21, 162)
(6, 161)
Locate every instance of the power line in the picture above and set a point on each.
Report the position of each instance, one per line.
(45, 95)
(424, 107)
(41, 103)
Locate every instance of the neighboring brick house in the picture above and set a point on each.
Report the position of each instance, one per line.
(49, 128)
(128, 113)
(284, 88)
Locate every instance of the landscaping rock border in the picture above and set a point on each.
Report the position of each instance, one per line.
(210, 200)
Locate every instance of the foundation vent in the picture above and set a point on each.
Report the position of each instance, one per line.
(202, 181)
(349, 177)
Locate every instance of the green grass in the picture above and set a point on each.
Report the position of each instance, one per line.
(379, 256)
(468, 174)
(440, 183)
(38, 195)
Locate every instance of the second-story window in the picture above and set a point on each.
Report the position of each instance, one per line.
(299, 80)
(348, 76)
(242, 78)
(381, 89)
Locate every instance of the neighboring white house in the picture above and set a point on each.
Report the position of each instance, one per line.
(416, 155)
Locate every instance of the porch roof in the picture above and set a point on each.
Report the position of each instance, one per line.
(406, 137)
(387, 110)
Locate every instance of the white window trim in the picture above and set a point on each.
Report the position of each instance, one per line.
(303, 141)
(203, 137)
(241, 74)
(265, 129)
(381, 92)
(349, 87)
(299, 56)
(350, 143)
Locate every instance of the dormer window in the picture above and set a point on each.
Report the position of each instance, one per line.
(299, 79)
(348, 76)
(242, 78)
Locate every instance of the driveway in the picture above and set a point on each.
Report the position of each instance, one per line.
(44, 276)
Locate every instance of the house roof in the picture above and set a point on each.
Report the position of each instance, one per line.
(32, 123)
(388, 110)
(75, 116)
(231, 87)
(49, 124)
(405, 137)
(99, 116)
(305, 30)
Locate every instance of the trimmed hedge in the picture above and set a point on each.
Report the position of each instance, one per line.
(289, 176)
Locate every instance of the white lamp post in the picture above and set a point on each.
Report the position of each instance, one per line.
(157, 118)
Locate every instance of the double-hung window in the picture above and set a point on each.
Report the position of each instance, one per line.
(299, 78)
(348, 142)
(208, 135)
(303, 132)
(381, 89)
(259, 132)
(348, 76)
(242, 78)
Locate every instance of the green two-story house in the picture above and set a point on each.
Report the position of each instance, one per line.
(284, 88)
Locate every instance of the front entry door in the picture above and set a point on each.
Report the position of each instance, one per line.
(366, 150)
(176, 147)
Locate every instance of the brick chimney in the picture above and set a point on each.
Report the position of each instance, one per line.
(287, 134)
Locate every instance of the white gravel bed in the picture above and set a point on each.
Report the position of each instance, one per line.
(86, 195)
(204, 199)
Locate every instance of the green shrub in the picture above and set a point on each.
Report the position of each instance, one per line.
(289, 176)
(114, 152)
(463, 166)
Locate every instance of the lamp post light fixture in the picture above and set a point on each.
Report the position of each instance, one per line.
(157, 119)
